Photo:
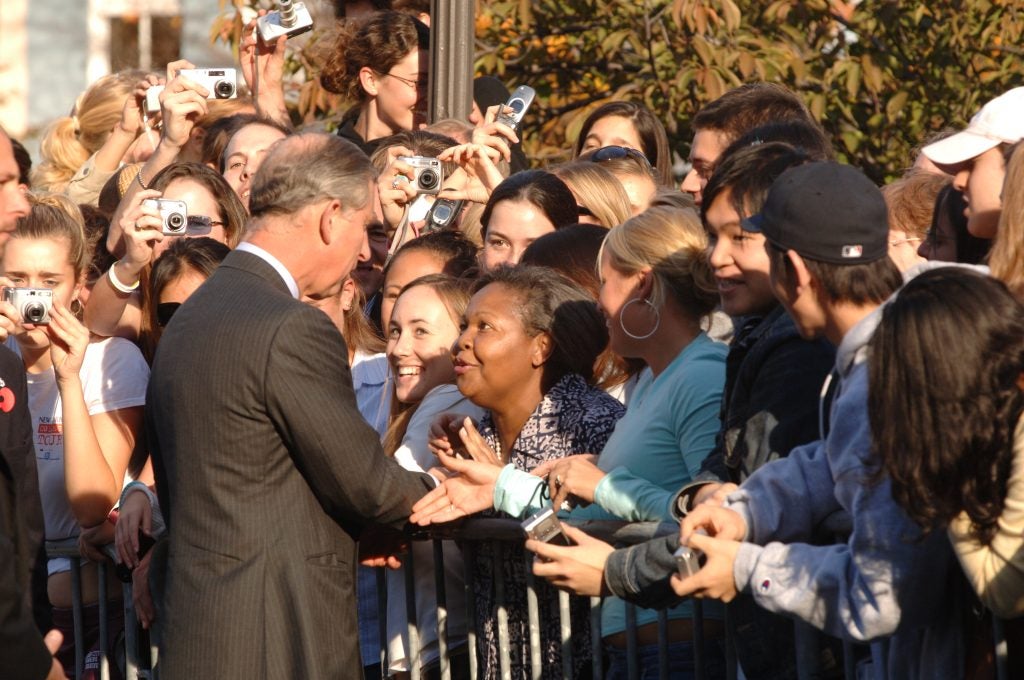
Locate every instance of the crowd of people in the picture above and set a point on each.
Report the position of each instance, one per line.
(819, 379)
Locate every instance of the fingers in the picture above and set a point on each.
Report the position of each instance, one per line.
(545, 551)
(578, 536)
(421, 508)
(476, 446)
(175, 66)
(53, 640)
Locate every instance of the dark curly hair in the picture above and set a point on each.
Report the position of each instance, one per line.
(380, 41)
(944, 399)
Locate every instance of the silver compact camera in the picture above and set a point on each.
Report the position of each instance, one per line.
(688, 561)
(222, 83)
(33, 304)
(173, 214)
(545, 527)
(290, 19)
(427, 173)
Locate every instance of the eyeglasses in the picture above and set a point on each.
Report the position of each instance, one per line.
(201, 225)
(164, 312)
(901, 241)
(420, 83)
(610, 153)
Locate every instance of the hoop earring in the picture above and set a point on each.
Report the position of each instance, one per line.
(657, 319)
(77, 308)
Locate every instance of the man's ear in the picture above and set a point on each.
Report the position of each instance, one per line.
(330, 213)
(368, 80)
(541, 348)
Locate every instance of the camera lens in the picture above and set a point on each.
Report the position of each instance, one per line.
(224, 89)
(176, 222)
(428, 179)
(33, 312)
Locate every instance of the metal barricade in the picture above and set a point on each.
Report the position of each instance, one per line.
(133, 668)
(499, 532)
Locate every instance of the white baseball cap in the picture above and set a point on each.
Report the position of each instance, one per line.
(1000, 121)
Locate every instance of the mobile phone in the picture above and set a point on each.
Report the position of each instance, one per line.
(688, 561)
(519, 101)
(443, 215)
(545, 527)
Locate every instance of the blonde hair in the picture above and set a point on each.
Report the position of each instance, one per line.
(1006, 259)
(597, 190)
(673, 245)
(55, 216)
(69, 141)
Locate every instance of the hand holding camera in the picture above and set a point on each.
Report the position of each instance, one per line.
(142, 226)
(68, 342)
(578, 567)
(482, 175)
(182, 102)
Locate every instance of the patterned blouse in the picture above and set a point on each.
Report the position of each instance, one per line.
(572, 418)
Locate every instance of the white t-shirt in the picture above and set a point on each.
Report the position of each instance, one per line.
(114, 376)
(414, 454)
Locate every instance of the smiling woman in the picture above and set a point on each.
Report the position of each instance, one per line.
(422, 329)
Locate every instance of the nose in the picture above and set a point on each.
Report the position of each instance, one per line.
(960, 179)
(400, 348)
(18, 205)
(718, 255)
(364, 248)
(692, 185)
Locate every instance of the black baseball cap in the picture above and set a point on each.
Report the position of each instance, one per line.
(827, 212)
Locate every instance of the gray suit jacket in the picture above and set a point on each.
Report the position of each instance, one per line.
(267, 475)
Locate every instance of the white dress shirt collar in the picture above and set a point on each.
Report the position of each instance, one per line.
(289, 280)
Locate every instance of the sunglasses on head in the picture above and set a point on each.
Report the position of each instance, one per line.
(164, 312)
(609, 153)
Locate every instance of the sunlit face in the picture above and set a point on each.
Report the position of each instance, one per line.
(612, 131)
(199, 202)
(739, 259)
(495, 358)
(404, 269)
(13, 203)
(707, 147)
(401, 100)
(40, 263)
(513, 226)
(981, 181)
(623, 311)
(244, 154)
(421, 333)
(348, 246)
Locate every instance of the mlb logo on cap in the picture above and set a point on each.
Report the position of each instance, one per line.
(827, 212)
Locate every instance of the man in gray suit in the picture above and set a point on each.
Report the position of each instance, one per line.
(266, 471)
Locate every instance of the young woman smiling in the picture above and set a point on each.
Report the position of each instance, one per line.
(421, 331)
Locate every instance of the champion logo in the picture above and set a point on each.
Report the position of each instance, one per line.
(853, 251)
(766, 585)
